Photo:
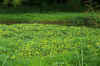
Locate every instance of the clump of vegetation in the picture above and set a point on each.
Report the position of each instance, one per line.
(92, 19)
(91, 11)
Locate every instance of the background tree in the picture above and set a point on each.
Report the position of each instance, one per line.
(16, 3)
(6, 2)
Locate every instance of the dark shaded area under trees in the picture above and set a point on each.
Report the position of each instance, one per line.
(71, 5)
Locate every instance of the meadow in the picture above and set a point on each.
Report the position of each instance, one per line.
(44, 44)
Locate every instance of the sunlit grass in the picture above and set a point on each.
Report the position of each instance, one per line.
(48, 45)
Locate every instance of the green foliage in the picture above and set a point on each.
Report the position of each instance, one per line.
(5, 2)
(91, 11)
(27, 15)
(48, 45)
(16, 3)
(74, 5)
(70, 5)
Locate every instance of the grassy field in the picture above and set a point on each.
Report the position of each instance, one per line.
(47, 44)
(31, 15)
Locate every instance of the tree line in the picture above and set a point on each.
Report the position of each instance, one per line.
(17, 3)
(68, 4)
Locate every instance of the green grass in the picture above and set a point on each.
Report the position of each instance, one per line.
(29, 14)
(48, 45)
(39, 16)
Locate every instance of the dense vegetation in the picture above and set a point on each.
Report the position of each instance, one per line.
(49, 33)
(61, 4)
(49, 45)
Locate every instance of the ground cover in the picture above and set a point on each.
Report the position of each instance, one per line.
(49, 45)
(27, 15)
(48, 38)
